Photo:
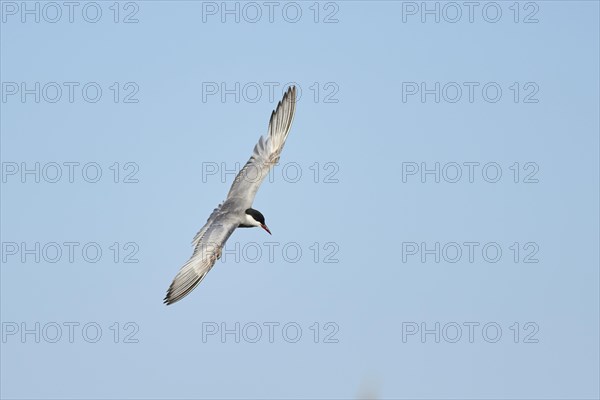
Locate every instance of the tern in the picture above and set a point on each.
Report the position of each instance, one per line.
(236, 211)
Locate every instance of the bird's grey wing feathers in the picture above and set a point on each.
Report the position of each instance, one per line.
(266, 152)
(209, 221)
(208, 244)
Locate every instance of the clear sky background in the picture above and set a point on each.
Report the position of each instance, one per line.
(364, 219)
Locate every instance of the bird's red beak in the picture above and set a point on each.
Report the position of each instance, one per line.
(265, 228)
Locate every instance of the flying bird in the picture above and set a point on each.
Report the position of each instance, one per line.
(236, 211)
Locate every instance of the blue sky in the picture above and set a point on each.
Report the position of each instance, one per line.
(434, 217)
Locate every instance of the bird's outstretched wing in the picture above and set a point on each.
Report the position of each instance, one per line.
(208, 245)
(266, 152)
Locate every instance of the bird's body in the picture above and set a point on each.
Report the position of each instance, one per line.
(236, 211)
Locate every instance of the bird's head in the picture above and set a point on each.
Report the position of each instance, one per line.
(255, 218)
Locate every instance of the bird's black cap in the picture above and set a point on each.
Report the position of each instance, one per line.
(256, 215)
